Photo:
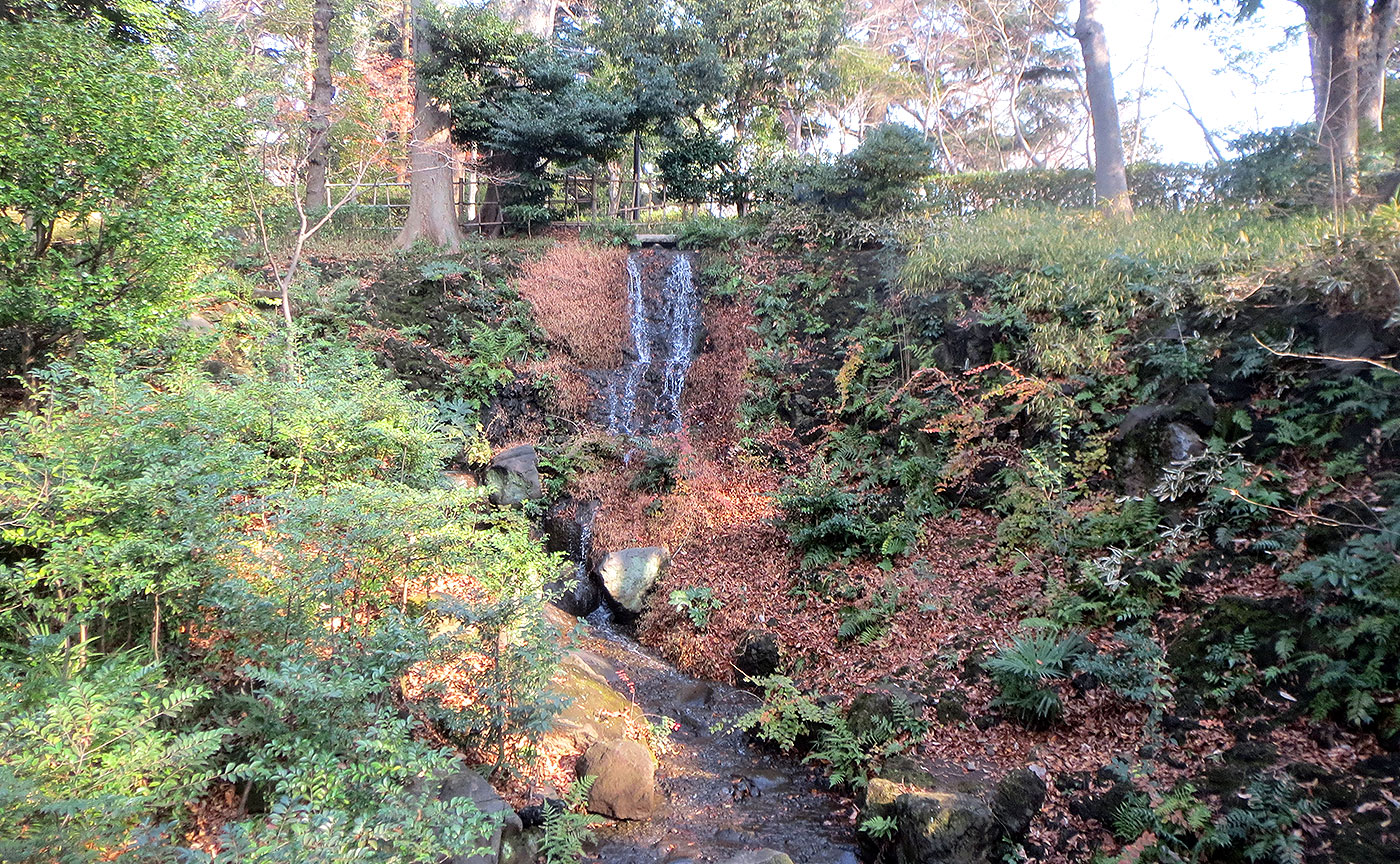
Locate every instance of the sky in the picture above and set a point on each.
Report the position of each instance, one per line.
(1269, 89)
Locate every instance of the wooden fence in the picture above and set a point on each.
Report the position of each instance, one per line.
(574, 200)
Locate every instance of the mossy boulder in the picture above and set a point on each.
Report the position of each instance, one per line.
(933, 826)
(594, 711)
(1018, 797)
(514, 476)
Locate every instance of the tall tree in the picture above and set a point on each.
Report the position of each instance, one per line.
(1350, 43)
(432, 206)
(318, 151)
(1110, 174)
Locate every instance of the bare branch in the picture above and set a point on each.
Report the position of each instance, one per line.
(1329, 358)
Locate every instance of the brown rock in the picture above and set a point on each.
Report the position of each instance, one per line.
(625, 784)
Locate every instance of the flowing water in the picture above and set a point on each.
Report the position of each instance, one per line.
(664, 320)
(720, 794)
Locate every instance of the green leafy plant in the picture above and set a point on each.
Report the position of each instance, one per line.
(567, 826)
(1025, 668)
(90, 757)
(698, 602)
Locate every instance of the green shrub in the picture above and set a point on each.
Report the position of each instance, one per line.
(887, 168)
(567, 826)
(1024, 669)
(1353, 596)
(789, 716)
(610, 232)
(698, 602)
(90, 760)
(113, 205)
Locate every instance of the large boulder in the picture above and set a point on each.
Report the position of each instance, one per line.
(593, 711)
(1018, 797)
(933, 827)
(629, 575)
(949, 820)
(514, 476)
(624, 784)
(504, 844)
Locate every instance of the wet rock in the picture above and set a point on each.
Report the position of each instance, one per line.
(595, 666)
(629, 575)
(760, 856)
(505, 840)
(514, 476)
(579, 597)
(733, 837)
(1180, 443)
(698, 694)
(568, 528)
(759, 655)
(933, 826)
(625, 787)
(1018, 797)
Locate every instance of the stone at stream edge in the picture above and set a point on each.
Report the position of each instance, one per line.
(628, 575)
(624, 785)
(947, 827)
(759, 655)
(505, 843)
(760, 856)
(514, 476)
(952, 823)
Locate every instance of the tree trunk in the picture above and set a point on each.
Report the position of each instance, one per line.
(1337, 30)
(636, 176)
(1110, 174)
(531, 16)
(1379, 39)
(432, 208)
(500, 169)
(318, 151)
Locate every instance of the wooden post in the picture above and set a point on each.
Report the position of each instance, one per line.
(636, 175)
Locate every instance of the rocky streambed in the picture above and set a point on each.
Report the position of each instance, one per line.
(718, 794)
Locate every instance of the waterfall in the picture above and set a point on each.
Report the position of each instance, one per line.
(683, 320)
(622, 407)
(662, 326)
(585, 548)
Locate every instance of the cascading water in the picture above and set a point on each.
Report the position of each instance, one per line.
(622, 407)
(662, 325)
(585, 550)
(683, 319)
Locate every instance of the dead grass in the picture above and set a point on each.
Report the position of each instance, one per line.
(579, 292)
(716, 382)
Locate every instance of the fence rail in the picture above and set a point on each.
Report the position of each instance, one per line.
(575, 200)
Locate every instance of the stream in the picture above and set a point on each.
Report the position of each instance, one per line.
(719, 795)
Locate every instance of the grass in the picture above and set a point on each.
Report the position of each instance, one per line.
(1103, 257)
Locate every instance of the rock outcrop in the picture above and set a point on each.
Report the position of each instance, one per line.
(514, 476)
(624, 779)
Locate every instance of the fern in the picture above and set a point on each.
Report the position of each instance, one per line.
(567, 828)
